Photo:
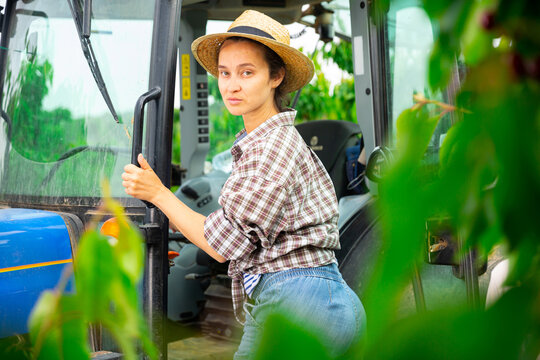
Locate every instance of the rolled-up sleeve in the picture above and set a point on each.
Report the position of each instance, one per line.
(253, 212)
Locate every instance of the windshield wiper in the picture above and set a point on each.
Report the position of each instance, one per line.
(88, 52)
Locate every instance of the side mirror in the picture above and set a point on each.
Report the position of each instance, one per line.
(377, 163)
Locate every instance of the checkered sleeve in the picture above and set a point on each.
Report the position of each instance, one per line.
(253, 212)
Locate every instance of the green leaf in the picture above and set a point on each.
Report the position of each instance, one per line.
(57, 328)
(436, 9)
(451, 17)
(524, 259)
(414, 129)
(129, 249)
(15, 348)
(489, 239)
(476, 41)
(440, 65)
(95, 261)
(406, 199)
(461, 333)
(74, 334)
(41, 326)
(283, 339)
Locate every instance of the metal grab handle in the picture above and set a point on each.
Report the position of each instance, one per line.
(138, 123)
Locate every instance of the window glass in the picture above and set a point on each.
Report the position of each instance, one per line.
(410, 40)
(342, 16)
(58, 137)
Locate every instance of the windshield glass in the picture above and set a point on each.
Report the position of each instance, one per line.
(58, 137)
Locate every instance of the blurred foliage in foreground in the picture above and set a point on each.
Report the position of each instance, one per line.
(106, 273)
(488, 185)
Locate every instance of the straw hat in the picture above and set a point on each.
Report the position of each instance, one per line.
(262, 28)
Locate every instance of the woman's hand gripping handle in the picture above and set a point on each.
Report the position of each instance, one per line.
(142, 182)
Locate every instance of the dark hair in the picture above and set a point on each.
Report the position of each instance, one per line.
(275, 64)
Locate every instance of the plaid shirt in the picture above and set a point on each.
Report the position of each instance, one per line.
(279, 208)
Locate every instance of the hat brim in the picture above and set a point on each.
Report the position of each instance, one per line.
(298, 67)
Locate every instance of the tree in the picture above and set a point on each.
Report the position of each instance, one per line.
(39, 134)
(318, 100)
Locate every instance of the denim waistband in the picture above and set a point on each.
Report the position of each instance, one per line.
(329, 271)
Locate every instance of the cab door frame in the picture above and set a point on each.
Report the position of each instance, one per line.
(159, 128)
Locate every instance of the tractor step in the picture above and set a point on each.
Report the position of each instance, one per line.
(105, 355)
(201, 348)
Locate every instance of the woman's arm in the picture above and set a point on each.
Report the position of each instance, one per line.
(144, 184)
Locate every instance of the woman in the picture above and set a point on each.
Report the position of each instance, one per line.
(278, 221)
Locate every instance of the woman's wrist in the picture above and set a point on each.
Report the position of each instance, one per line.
(160, 197)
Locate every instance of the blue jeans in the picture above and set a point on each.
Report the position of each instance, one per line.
(316, 298)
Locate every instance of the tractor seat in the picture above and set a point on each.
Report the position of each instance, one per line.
(329, 139)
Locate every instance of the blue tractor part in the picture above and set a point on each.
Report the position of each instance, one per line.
(35, 248)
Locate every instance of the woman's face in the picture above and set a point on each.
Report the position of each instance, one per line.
(244, 80)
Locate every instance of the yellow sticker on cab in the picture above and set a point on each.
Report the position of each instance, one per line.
(186, 88)
(185, 65)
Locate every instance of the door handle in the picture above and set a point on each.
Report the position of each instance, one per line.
(138, 126)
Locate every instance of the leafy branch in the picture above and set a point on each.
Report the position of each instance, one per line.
(421, 100)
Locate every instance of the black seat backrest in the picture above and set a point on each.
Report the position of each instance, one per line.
(329, 139)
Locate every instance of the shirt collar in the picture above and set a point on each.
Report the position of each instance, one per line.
(243, 139)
